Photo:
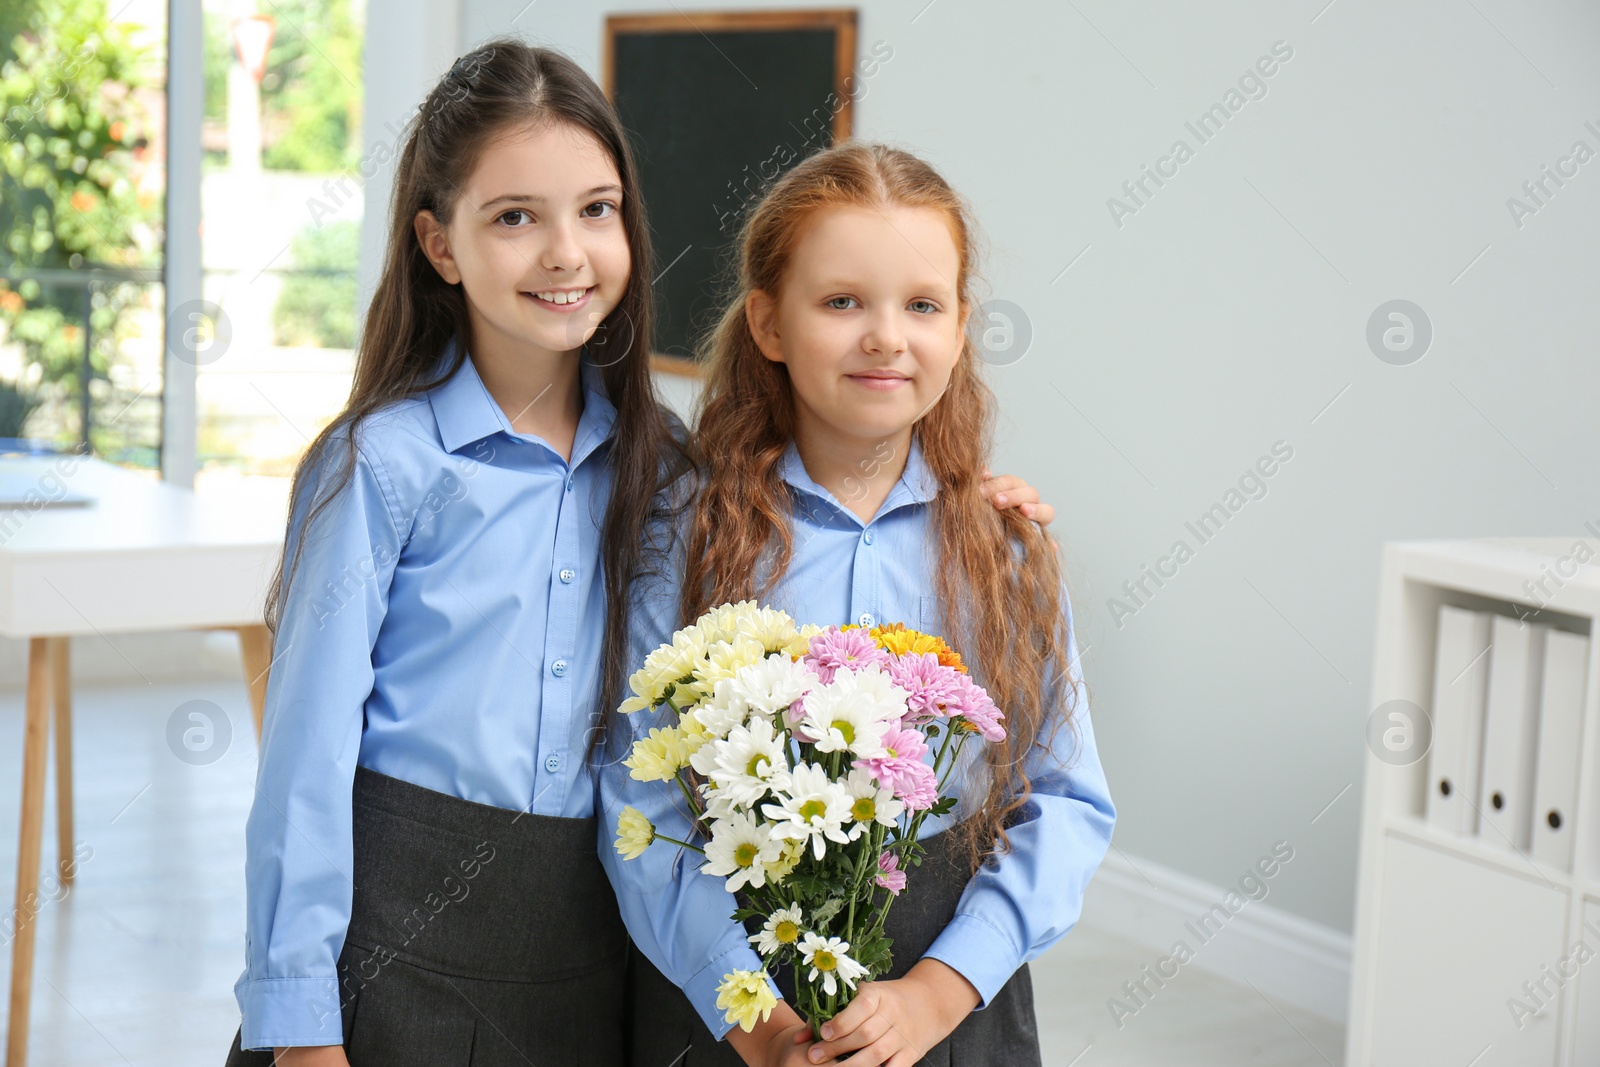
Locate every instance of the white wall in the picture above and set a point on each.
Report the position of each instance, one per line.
(1229, 312)
(410, 44)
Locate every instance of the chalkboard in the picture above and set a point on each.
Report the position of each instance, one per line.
(716, 105)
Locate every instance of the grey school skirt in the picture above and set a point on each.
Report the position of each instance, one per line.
(1004, 1034)
(477, 936)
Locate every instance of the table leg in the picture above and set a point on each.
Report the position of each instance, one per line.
(255, 648)
(35, 747)
(61, 691)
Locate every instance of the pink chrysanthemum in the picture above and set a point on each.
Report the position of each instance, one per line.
(890, 876)
(972, 703)
(903, 750)
(930, 687)
(919, 788)
(833, 650)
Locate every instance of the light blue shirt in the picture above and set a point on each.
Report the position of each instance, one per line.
(444, 627)
(845, 570)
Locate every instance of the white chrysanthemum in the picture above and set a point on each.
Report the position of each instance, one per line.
(718, 805)
(724, 660)
(768, 687)
(720, 713)
(810, 807)
(740, 847)
(660, 756)
(781, 930)
(744, 764)
(870, 802)
(665, 668)
(827, 958)
(852, 712)
(634, 833)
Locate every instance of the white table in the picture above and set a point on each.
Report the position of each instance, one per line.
(145, 555)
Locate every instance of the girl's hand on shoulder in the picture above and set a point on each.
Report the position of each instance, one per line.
(895, 1023)
(1009, 491)
(311, 1056)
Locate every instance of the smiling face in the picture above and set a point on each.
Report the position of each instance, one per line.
(536, 240)
(868, 322)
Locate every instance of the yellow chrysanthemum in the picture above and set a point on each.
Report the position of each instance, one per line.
(801, 644)
(724, 660)
(721, 622)
(896, 638)
(634, 833)
(694, 734)
(746, 997)
(659, 757)
(786, 862)
(774, 629)
(663, 669)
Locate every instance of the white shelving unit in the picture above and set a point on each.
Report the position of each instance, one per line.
(1449, 928)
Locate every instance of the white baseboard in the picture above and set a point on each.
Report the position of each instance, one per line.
(1291, 959)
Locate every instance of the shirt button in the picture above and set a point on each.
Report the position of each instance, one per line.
(567, 574)
(867, 537)
(552, 763)
(558, 668)
(569, 485)
(867, 620)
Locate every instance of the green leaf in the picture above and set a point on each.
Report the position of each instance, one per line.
(827, 911)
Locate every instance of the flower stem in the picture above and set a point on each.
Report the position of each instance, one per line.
(675, 841)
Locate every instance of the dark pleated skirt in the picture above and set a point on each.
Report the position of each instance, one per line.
(665, 1027)
(477, 936)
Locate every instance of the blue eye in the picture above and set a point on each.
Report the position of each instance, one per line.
(931, 306)
(833, 302)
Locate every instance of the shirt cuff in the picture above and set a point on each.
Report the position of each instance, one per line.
(982, 954)
(701, 988)
(289, 1012)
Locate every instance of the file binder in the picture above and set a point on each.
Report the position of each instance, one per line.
(1460, 686)
(1566, 672)
(1511, 732)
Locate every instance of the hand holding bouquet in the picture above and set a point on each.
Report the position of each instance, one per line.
(803, 755)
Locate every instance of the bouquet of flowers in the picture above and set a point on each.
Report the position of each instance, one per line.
(803, 755)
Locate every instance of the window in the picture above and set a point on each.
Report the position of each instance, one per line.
(81, 220)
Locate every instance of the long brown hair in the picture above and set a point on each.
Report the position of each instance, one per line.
(502, 85)
(998, 573)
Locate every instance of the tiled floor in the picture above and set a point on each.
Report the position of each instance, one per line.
(136, 963)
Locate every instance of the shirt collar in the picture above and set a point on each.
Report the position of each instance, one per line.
(465, 412)
(916, 485)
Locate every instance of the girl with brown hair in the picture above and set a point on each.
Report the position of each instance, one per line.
(844, 428)
(422, 884)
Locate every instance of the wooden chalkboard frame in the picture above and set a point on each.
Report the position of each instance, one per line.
(842, 21)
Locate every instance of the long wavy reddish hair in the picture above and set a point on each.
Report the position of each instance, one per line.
(999, 575)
